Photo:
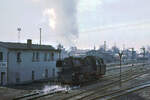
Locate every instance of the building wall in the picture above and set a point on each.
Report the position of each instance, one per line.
(3, 66)
(20, 72)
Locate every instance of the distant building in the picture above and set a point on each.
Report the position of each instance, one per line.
(26, 62)
(78, 52)
(107, 56)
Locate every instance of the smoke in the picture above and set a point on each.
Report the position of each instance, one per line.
(62, 19)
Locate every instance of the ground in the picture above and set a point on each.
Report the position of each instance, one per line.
(143, 94)
(8, 93)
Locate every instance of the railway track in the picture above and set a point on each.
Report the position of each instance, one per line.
(36, 95)
(110, 72)
(123, 65)
(87, 94)
(114, 94)
(113, 76)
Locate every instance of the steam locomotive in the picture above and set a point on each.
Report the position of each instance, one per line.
(77, 70)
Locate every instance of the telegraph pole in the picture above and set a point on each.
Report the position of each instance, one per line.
(143, 55)
(132, 56)
(120, 56)
(104, 46)
(40, 35)
(60, 47)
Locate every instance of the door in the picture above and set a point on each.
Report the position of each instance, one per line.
(17, 77)
(46, 73)
(53, 72)
(2, 78)
(33, 76)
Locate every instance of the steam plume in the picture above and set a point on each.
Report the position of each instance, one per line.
(62, 18)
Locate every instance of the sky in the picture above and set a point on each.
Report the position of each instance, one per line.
(81, 23)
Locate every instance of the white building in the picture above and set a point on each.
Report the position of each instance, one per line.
(26, 62)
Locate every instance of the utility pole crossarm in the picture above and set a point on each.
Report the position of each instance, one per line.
(19, 30)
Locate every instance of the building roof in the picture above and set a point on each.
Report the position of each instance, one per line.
(23, 46)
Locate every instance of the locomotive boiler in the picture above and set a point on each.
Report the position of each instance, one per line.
(76, 70)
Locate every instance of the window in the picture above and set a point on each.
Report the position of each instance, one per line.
(49, 57)
(19, 57)
(52, 56)
(37, 56)
(1, 56)
(45, 57)
(33, 56)
(53, 72)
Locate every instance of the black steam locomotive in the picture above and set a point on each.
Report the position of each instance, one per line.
(76, 70)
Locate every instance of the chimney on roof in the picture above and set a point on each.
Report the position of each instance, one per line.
(29, 43)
